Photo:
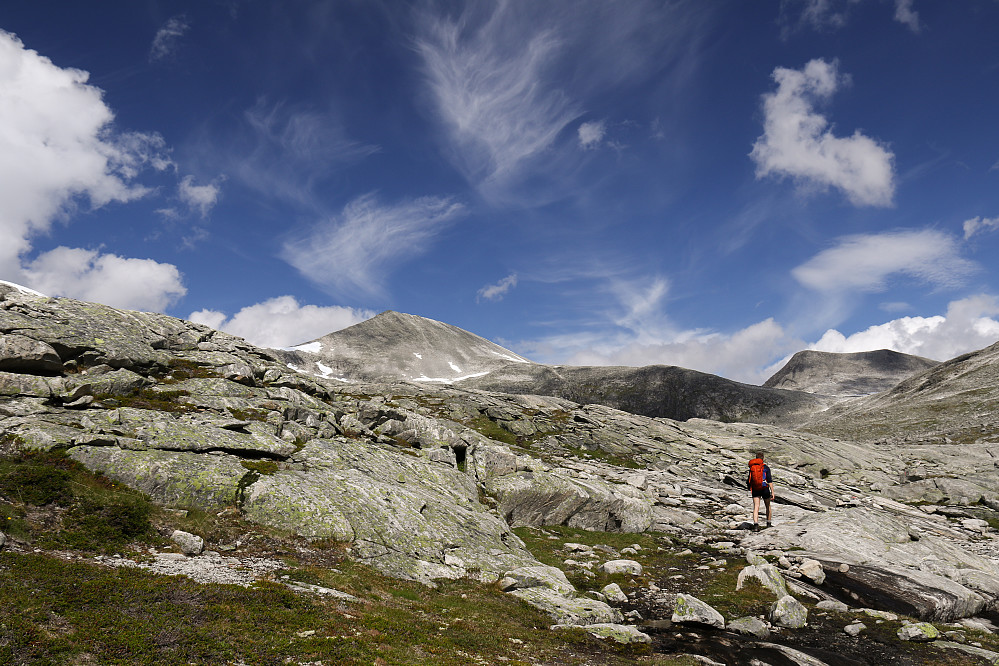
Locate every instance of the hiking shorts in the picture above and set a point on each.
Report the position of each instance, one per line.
(767, 492)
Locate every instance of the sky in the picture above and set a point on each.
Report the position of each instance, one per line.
(709, 184)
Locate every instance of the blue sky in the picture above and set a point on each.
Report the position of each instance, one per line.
(714, 185)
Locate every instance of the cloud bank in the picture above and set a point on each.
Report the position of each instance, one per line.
(798, 143)
(57, 150)
(282, 322)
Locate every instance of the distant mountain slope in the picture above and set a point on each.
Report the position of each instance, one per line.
(395, 346)
(655, 390)
(847, 375)
(955, 401)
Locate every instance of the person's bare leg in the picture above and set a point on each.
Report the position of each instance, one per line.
(766, 500)
(756, 510)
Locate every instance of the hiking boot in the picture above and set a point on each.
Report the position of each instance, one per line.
(769, 524)
(756, 527)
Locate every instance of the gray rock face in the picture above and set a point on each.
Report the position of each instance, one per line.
(750, 626)
(769, 577)
(847, 375)
(690, 609)
(619, 633)
(23, 354)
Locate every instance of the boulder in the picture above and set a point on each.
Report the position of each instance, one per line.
(812, 570)
(19, 353)
(920, 632)
(190, 544)
(854, 629)
(690, 609)
(569, 610)
(613, 592)
(630, 567)
(768, 575)
(619, 633)
(788, 612)
(750, 626)
(833, 605)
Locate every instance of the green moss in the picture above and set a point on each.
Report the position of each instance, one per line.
(264, 467)
(491, 429)
(152, 399)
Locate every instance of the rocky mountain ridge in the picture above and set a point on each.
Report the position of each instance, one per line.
(847, 375)
(427, 482)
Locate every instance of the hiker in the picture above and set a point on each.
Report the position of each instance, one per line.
(761, 485)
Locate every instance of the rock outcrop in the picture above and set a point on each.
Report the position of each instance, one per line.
(847, 375)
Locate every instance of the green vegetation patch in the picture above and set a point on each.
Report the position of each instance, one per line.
(491, 429)
(152, 399)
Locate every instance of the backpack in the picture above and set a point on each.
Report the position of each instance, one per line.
(757, 477)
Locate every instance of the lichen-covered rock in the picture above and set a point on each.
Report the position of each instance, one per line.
(690, 609)
(614, 593)
(619, 633)
(812, 570)
(173, 478)
(750, 626)
(854, 629)
(920, 632)
(833, 605)
(788, 612)
(3, 540)
(569, 610)
(540, 575)
(768, 575)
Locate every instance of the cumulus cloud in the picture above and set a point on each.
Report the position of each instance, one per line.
(592, 133)
(354, 251)
(969, 324)
(496, 292)
(798, 143)
(58, 148)
(282, 322)
(490, 82)
(906, 15)
(978, 225)
(166, 39)
(201, 198)
(133, 284)
(865, 262)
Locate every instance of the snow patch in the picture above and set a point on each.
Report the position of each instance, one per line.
(310, 347)
(23, 290)
(515, 359)
(419, 356)
(327, 371)
(443, 380)
(454, 367)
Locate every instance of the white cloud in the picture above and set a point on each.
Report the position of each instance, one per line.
(133, 284)
(865, 262)
(969, 325)
(165, 41)
(797, 142)
(198, 197)
(496, 292)
(57, 148)
(492, 89)
(356, 250)
(978, 225)
(281, 322)
(592, 133)
(906, 15)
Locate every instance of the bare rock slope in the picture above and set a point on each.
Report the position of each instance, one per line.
(847, 375)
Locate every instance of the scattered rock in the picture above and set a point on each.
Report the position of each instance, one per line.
(833, 605)
(190, 544)
(622, 567)
(768, 575)
(619, 633)
(690, 609)
(812, 570)
(614, 593)
(788, 612)
(750, 626)
(920, 632)
(855, 628)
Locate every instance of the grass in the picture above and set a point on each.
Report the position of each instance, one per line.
(152, 399)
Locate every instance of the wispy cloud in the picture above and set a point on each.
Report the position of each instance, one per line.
(798, 143)
(835, 14)
(979, 225)
(201, 198)
(592, 133)
(282, 322)
(864, 263)
(354, 251)
(906, 15)
(496, 292)
(493, 90)
(59, 149)
(167, 38)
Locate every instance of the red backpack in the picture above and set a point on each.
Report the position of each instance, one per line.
(757, 478)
